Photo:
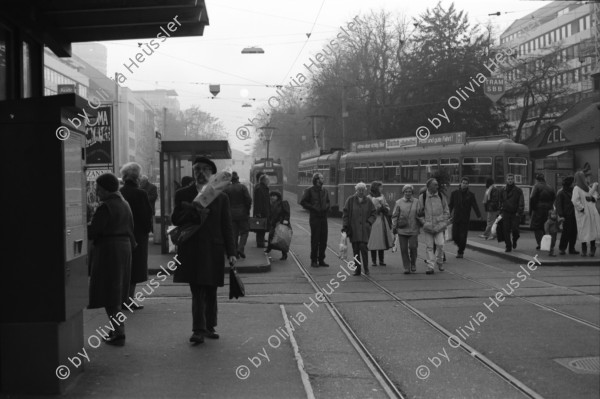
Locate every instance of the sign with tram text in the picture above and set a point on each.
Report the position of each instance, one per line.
(401, 142)
(371, 145)
(444, 139)
(494, 88)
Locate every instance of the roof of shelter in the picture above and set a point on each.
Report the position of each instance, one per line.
(58, 23)
(213, 149)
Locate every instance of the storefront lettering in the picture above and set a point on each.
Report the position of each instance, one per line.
(555, 136)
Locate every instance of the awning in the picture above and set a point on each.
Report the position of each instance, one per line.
(557, 154)
(59, 23)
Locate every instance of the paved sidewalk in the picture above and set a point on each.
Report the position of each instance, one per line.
(526, 250)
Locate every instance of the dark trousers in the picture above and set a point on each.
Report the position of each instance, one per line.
(510, 225)
(204, 307)
(569, 234)
(260, 239)
(460, 231)
(318, 238)
(408, 249)
(240, 233)
(552, 241)
(374, 256)
(361, 254)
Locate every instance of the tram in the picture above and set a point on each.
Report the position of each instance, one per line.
(396, 165)
(272, 168)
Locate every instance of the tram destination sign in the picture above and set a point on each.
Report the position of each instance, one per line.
(444, 139)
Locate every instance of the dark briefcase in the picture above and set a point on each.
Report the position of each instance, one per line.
(258, 224)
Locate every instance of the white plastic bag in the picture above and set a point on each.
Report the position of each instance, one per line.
(448, 233)
(396, 246)
(495, 226)
(546, 241)
(344, 247)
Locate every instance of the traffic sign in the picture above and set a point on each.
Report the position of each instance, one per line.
(494, 88)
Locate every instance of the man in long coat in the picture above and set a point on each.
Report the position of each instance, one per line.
(262, 206)
(461, 203)
(540, 202)
(202, 256)
(512, 205)
(240, 202)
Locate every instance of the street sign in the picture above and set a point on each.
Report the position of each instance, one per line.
(61, 89)
(494, 88)
(214, 89)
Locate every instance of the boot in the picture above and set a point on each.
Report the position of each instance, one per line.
(593, 248)
(584, 249)
(551, 253)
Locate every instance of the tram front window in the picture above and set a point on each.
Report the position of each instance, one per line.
(477, 169)
(518, 167)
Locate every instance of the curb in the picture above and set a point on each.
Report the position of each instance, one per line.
(521, 257)
(262, 268)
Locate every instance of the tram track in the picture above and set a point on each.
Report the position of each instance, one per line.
(370, 360)
(524, 299)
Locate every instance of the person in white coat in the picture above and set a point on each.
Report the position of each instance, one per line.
(586, 215)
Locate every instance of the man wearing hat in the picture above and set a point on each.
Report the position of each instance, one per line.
(202, 256)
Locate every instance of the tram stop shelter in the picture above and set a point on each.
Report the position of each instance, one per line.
(172, 154)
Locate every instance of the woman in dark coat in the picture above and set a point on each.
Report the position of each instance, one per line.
(262, 206)
(279, 213)
(111, 229)
(566, 210)
(540, 202)
(359, 215)
(142, 223)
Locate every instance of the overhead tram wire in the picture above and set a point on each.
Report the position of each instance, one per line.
(305, 42)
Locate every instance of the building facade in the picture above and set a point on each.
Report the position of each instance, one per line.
(561, 34)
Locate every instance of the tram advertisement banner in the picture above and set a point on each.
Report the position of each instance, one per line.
(371, 145)
(98, 134)
(444, 139)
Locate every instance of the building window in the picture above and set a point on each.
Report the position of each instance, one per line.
(131, 143)
(131, 108)
(575, 27)
(131, 125)
(27, 71)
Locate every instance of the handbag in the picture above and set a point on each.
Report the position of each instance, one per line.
(343, 247)
(181, 234)
(448, 233)
(236, 286)
(257, 224)
(282, 237)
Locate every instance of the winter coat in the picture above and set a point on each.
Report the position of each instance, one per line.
(511, 200)
(586, 215)
(152, 192)
(239, 201)
(435, 213)
(563, 204)
(409, 209)
(461, 202)
(358, 218)
(540, 202)
(202, 256)
(111, 229)
(491, 204)
(552, 226)
(280, 211)
(262, 203)
(142, 225)
(316, 201)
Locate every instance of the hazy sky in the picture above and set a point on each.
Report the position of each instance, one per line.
(188, 65)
